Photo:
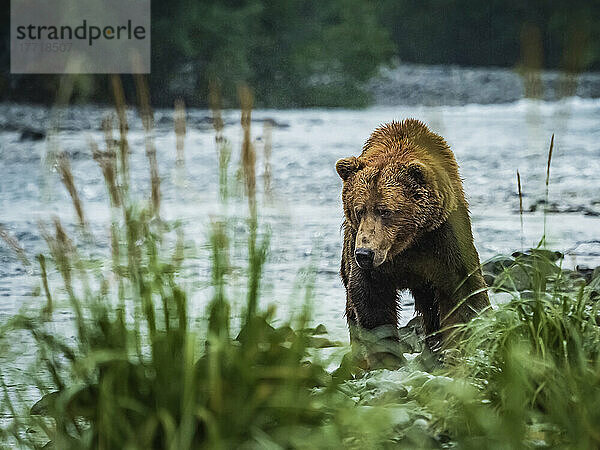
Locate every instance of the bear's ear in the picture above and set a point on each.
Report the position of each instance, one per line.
(348, 166)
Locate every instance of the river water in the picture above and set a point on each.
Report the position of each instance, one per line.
(304, 213)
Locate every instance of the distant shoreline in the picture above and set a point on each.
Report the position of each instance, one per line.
(407, 84)
(413, 84)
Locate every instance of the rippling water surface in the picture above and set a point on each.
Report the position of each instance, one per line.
(490, 143)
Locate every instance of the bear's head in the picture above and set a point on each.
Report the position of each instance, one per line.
(389, 203)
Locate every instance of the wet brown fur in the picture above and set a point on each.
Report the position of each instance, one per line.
(403, 199)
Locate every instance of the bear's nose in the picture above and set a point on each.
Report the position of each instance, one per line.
(364, 258)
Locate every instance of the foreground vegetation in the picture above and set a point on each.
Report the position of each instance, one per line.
(142, 372)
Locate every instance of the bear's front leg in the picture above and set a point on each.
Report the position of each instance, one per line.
(374, 301)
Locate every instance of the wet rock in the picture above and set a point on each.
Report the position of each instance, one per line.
(399, 416)
(557, 208)
(494, 267)
(164, 120)
(437, 385)
(29, 134)
(421, 423)
(575, 277)
(6, 126)
(522, 270)
(587, 273)
(550, 255)
(412, 336)
(385, 394)
(586, 248)
(42, 406)
(272, 122)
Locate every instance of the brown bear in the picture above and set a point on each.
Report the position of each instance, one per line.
(407, 226)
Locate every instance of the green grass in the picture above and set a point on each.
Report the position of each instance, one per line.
(141, 372)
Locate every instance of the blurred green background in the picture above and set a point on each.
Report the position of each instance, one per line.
(313, 53)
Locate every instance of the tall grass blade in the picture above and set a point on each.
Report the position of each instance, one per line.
(520, 208)
(14, 245)
(66, 176)
(223, 147)
(143, 95)
(121, 108)
(180, 130)
(542, 242)
(267, 149)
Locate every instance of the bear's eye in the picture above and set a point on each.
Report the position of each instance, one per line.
(384, 213)
(359, 212)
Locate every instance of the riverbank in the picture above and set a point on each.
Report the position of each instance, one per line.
(410, 84)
